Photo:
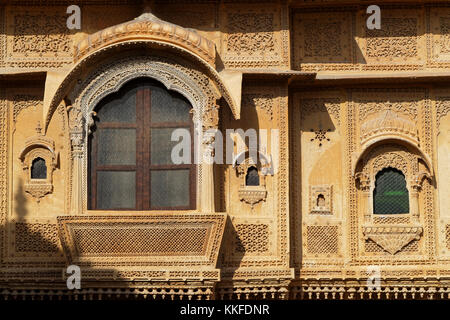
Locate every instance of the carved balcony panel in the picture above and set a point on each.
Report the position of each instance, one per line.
(154, 242)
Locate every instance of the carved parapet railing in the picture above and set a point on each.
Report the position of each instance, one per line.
(155, 246)
(392, 238)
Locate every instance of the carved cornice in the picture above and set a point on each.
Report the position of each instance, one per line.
(147, 26)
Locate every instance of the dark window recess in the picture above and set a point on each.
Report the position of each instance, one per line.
(130, 164)
(252, 177)
(390, 195)
(320, 200)
(38, 169)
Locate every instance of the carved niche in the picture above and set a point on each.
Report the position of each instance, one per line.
(391, 232)
(252, 174)
(321, 199)
(39, 160)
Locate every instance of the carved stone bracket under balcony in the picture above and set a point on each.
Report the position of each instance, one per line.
(252, 196)
(154, 246)
(392, 238)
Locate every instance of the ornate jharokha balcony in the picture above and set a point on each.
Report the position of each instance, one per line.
(153, 246)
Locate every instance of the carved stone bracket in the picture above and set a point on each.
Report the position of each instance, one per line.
(392, 238)
(252, 196)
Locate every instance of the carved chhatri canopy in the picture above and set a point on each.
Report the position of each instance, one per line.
(147, 26)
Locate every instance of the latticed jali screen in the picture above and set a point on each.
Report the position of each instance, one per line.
(36, 237)
(152, 240)
(322, 239)
(252, 238)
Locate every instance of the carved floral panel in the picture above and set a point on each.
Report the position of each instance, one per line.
(37, 38)
(254, 36)
(321, 38)
(400, 40)
(440, 34)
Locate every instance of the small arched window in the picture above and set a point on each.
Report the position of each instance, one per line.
(320, 200)
(252, 177)
(390, 195)
(38, 169)
(130, 150)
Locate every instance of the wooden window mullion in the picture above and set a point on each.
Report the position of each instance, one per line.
(94, 172)
(146, 149)
(139, 142)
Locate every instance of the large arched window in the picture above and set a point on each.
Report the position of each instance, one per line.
(390, 195)
(130, 164)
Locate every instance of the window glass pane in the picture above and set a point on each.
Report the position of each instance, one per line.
(168, 106)
(390, 194)
(119, 108)
(116, 146)
(161, 145)
(170, 188)
(116, 190)
(252, 178)
(38, 169)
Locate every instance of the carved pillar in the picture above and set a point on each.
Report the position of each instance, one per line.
(210, 123)
(76, 122)
(207, 187)
(416, 187)
(364, 183)
(414, 208)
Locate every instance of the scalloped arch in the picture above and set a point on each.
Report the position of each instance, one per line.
(373, 143)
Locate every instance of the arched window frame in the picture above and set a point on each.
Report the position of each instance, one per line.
(197, 87)
(378, 176)
(243, 162)
(390, 156)
(143, 165)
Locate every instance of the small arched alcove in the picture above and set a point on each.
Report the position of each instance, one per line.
(38, 169)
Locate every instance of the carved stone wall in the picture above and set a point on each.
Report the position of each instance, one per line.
(411, 38)
(254, 236)
(317, 198)
(308, 229)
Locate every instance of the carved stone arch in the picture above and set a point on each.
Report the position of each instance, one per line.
(109, 78)
(358, 158)
(244, 160)
(242, 163)
(138, 42)
(389, 155)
